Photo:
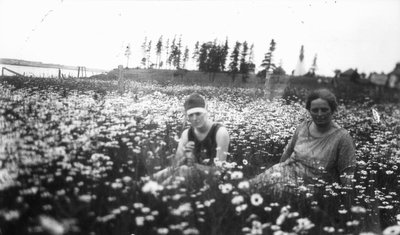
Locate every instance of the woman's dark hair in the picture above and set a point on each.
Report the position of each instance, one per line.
(324, 94)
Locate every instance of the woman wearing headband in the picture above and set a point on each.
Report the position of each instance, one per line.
(199, 145)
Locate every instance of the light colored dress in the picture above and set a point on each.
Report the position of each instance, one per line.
(310, 159)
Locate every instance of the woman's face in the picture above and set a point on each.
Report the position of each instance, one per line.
(197, 120)
(321, 112)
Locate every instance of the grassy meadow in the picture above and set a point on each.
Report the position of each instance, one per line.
(76, 157)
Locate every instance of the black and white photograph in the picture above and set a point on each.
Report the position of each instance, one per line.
(199, 117)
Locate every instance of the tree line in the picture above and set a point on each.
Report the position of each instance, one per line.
(210, 57)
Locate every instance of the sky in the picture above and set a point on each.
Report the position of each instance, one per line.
(362, 34)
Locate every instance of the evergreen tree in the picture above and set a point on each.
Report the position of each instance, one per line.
(185, 57)
(203, 55)
(267, 62)
(301, 56)
(196, 53)
(223, 55)
(176, 53)
(171, 55)
(244, 65)
(144, 48)
(148, 53)
(159, 51)
(251, 65)
(213, 61)
(233, 65)
(167, 51)
(212, 57)
(313, 66)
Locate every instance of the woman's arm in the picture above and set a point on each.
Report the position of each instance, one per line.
(346, 160)
(180, 151)
(289, 147)
(222, 139)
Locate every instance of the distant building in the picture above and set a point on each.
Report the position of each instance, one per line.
(351, 74)
(354, 76)
(378, 79)
(347, 73)
(394, 77)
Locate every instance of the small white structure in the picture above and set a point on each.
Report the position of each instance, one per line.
(378, 79)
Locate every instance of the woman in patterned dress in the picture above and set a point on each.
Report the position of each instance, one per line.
(319, 151)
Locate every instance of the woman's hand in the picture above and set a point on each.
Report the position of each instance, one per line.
(188, 157)
(189, 147)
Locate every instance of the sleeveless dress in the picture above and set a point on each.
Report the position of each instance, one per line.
(206, 150)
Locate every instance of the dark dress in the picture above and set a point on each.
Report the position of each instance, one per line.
(204, 153)
(206, 150)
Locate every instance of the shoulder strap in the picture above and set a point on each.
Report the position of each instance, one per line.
(191, 136)
(213, 132)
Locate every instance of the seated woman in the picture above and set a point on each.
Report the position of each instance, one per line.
(198, 145)
(319, 150)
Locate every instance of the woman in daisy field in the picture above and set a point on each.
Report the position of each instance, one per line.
(320, 150)
(199, 146)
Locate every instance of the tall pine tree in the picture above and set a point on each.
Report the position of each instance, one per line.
(148, 53)
(233, 65)
(185, 57)
(203, 56)
(223, 54)
(144, 49)
(267, 63)
(159, 47)
(196, 53)
(171, 55)
(252, 66)
(244, 66)
(167, 52)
